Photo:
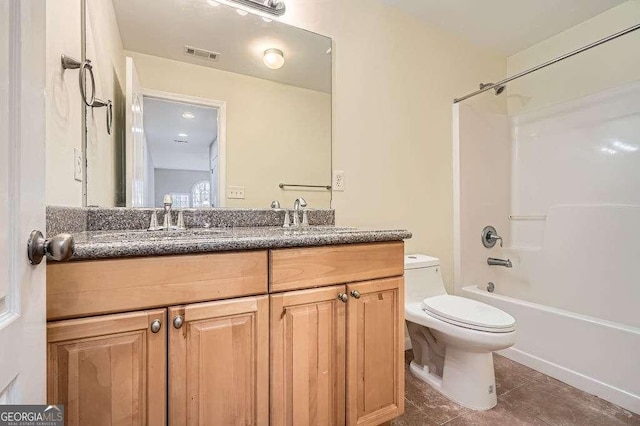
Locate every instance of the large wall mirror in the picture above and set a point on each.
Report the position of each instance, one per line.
(208, 103)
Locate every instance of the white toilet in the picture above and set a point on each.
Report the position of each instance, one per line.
(453, 338)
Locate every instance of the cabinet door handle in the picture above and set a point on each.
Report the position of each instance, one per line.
(178, 321)
(355, 294)
(156, 325)
(343, 297)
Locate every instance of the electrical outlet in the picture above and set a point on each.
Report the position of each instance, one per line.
(338, 180)
(77, 164)
(235, 192)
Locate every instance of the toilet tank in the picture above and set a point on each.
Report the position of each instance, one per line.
(422, 277)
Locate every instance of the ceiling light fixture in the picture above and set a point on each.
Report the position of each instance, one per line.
(183, 135)
(188, 115)
(268, 9)
(273, 58)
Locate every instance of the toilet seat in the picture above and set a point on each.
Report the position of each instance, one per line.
(468, 313)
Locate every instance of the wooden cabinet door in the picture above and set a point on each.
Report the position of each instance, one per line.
(219, 363)
(375, 346)
(109, 370)
(308, 357)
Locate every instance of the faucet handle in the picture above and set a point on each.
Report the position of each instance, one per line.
(153, 225)
(180, 223)
(287, 219)
(490, 237)
(305, 218)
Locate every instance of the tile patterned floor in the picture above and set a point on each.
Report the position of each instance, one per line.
(525, 397)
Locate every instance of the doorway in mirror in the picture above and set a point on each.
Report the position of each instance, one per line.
(181, 152)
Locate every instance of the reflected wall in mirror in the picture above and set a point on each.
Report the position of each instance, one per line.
(214, 107)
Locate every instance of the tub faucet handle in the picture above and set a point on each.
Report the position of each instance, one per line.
(490, 237)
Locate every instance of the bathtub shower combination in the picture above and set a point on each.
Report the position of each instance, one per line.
(555, 169)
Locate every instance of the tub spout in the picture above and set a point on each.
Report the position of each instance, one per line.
(499, 262)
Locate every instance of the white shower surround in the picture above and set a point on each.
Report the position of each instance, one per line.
(575, 285)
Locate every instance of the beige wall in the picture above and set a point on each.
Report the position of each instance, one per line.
(609, 65)
(394, 82)
(275, 132)
(63, 103)
(104, 48)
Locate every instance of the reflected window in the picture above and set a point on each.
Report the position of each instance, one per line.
(181, 200)
(201, 194)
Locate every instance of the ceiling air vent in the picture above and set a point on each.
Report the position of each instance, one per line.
(201, 53)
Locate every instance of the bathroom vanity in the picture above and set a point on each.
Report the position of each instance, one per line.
(287, 335)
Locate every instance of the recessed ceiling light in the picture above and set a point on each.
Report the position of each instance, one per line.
(273, 58)
(213, 3)
(183, 135)
(242, 12)
(188, 115)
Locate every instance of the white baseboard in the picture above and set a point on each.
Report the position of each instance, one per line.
(590, 385)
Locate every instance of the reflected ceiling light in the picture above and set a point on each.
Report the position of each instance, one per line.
(268, 8)
(242, 12)
(624, 146)
(183, 135)
(608, 150)
(213, 3)
(273, 58)
(265, 19)
(188, 115)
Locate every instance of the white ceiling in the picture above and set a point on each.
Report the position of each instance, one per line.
(507, 26)
(163, 122)
(163, 28)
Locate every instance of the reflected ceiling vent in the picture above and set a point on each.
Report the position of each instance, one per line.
(201, 53)
(180, 141)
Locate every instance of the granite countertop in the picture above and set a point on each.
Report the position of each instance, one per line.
(128, 243)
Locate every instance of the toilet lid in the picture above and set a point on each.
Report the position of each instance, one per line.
(469, 313)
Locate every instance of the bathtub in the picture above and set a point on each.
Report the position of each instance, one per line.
(597, 356)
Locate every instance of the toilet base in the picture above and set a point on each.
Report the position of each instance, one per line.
(468, 378)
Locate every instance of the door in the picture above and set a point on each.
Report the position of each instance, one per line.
(308, 357)
(375, 348)
(109, 369)
(219, 363)
(22, 200)
(135, 143)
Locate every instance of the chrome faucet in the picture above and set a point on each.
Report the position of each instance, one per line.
(499, 262)
(300, 202)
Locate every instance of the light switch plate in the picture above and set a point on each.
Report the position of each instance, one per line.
(235, 192)
(338, 180)
(77, 164)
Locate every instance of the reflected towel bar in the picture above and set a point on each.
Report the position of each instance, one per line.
(528, 217)
(283, 185)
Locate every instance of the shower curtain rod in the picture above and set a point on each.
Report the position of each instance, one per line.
(551, 62)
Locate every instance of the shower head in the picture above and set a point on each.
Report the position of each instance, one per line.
(498, 89)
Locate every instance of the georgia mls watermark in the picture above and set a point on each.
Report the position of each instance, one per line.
(31, 415)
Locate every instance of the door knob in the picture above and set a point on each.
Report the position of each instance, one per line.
(60, 247)
(343, 297)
